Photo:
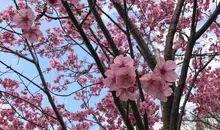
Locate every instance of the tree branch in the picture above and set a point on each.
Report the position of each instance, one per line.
(98, 62)
(189, 92)
(181, 84)
(208, 23)
(148, 56)
(103, 28)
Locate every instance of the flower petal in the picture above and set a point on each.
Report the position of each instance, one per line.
(167, 91)
(160, 63)
(170, 76)
(170, 65)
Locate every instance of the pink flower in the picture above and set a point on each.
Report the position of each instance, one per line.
(121, 61)
(4, 127)
(121, 78)
(121, 82)
(110, 81)
(32, 34)
(155, 86)
(127, 93)
(73, 1)
(125, 76)
(54, 2)
(59, 3)
(165, 69)
(24, 18)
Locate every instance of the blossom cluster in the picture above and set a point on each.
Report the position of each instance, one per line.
(9, 83)
(59, 2)
(24, 19)
(157, 83)
(121, 77)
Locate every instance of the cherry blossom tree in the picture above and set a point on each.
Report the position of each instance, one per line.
(109, 64)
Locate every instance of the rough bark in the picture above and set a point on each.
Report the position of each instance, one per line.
(168, 55)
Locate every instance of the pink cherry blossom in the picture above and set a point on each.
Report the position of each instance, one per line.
(125, 76)
(54, 2)
(155, 86)
(121, 61)
(3, 127)
(32, 34)
(74, 1)
(59, 3)
(110, 81)
(165, 69)
(127, 93)
(24, 18)
(120, 77)
(121, 74)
